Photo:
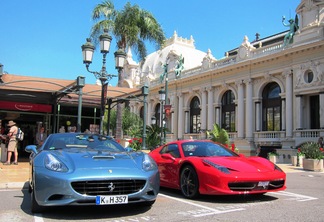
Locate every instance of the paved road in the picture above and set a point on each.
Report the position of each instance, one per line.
(302, 201)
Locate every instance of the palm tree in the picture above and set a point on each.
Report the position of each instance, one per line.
(132, 27)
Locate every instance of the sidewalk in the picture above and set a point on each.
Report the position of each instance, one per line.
(16, 176)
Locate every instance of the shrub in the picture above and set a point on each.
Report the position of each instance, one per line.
(311, 150)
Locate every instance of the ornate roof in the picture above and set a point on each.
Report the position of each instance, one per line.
(172, 49)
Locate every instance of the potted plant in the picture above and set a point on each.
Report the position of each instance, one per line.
(272, 156)
(298, 159)
(313, 156)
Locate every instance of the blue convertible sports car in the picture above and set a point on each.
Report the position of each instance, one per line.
(88, 169)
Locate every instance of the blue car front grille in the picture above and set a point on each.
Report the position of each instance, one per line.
(108, 187)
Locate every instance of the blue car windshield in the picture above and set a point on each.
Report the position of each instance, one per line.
(82, 141)
(205, 149)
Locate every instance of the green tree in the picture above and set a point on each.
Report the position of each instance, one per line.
(153, 136)
(132, 123)
(218, 135)
(132, 27)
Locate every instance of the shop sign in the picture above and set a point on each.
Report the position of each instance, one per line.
(25, 107)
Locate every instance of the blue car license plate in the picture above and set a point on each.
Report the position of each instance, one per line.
(117, 199)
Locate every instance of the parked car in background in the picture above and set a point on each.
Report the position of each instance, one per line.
(205, 167)
(87, 169)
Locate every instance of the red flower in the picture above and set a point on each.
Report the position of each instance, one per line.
(130, 141)
(140, 140)
(321, 149)
(298, 150)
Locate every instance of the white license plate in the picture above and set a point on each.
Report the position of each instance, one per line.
(263, 184)
(117, 199)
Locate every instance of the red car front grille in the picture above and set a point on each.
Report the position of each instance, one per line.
(253, 186)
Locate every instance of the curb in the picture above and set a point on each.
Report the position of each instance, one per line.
(14, 185)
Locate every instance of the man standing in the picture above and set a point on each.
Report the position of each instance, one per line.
(12, 146)
(41, 137)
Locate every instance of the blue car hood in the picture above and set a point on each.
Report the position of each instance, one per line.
(81, 159)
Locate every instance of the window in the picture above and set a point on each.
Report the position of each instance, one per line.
(228, 111)
(195, 115)
(271, 110)
(308, 76)
(172, 149)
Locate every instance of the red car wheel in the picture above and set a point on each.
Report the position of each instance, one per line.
(189, 182)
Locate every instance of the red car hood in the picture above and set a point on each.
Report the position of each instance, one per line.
(248, 165)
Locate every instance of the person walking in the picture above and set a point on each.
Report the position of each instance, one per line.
(12, 145)
(41, 136)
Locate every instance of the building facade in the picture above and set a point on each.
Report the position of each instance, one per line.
(267, 93)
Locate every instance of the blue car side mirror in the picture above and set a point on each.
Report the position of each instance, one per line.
(31, 149)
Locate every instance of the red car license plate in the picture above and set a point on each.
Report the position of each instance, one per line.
(263, 184)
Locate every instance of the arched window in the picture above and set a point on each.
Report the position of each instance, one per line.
(195, 115)
(271, 108)
(228, 111)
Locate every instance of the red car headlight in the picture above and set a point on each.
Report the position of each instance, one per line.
(218, 167)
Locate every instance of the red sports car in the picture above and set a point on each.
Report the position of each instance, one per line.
(204, 167)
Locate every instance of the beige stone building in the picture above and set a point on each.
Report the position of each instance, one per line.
(267, 93)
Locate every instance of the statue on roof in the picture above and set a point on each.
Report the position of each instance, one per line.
(293, 25)
(179, 67)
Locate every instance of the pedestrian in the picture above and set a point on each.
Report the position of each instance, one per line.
(41, 137)
(13, 143)
(320, 142)
(62, 129)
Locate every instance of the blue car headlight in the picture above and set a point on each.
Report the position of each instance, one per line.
(52, 163)
(148, 163)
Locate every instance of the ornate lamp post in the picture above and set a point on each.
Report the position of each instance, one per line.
(145, 92)
(80, 85)
(162, 99)
(102, 75)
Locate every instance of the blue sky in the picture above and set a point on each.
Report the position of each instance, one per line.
(43, 37)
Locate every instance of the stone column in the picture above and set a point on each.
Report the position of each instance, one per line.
(299, 112)
(258, 116)
(187, 130)
(175, 117)
(217, 116)
(240, 107)
(249, 109)
(283, 114)
(203, 109)
(210, 118)
(289, 103)
(180, 116)
(321, 111)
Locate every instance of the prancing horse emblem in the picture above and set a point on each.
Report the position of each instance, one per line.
(111, 187)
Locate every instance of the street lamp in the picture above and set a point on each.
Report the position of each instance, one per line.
(103, 76)
(120, 56)
(80, 85)
(145, 92)
(162, 99)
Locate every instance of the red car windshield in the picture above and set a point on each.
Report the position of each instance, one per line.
(205, 149)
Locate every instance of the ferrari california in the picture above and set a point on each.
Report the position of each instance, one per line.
(88, 169)
(204, 167)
